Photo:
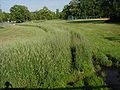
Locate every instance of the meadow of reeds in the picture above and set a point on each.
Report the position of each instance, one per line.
(54, 54)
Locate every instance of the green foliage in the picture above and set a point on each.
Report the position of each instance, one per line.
(115, 10)
(6, 16)
(57, 14)
(102, 60)
(42, 59)
(96, 83)
(80, 83)
(81, 60)
(51, 54)
(65, 12)
(45, 14)
(1, 16)
(103, 74)
(84, 8)
(35, 15)
(45, 65)
(116, 61)
(97, 68)
(19, 13)
(74, 8)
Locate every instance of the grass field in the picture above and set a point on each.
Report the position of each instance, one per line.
(57, 53)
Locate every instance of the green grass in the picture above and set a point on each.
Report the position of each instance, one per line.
(51, 54)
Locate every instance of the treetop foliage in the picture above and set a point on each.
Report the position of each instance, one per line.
(20, 13)
(84, 8)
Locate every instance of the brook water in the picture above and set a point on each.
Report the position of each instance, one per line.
(112, 77)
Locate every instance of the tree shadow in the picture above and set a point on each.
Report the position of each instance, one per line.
(113, 21)
(112, 87)
(1, 27)
(8, 85)
(115, 87)
(95, 22)
(112, 38)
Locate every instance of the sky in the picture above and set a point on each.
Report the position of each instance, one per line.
(34, 5)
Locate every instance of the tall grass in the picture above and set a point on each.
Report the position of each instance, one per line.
(42, 61)
(52, 54)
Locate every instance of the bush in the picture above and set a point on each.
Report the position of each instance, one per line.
(102, 60)
(80, 83)
(97, 68)
(95, 83)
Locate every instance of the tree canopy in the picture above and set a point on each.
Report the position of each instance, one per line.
(19, 13)
(84, 8)
(45, 14)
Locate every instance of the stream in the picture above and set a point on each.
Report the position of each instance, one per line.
(112, 77)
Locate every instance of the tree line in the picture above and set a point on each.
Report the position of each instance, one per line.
(76, 8)
(84, 8)
(20, 13)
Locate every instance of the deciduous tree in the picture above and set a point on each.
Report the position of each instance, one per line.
(20, 13)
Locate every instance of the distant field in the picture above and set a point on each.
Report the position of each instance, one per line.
(92, 19)
(57, 54)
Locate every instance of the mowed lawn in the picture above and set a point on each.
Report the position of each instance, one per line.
(103, 37)
(51, 54)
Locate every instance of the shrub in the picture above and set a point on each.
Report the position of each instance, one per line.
(103, 60)
(95, 83)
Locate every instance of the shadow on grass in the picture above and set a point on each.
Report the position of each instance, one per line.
(112, 38)
(8, 85)
(108, 22)
(1, 27)
(73, 54)
(95, 22)
(115, 87)
(88, 21)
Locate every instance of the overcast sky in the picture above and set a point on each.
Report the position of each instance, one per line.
(34, 5)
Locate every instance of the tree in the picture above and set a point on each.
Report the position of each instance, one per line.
(20, 13)
(45, 14)
(74, 8)
(105, 8)
(88, 8)
(115, 11)
(35, 15)
(66, 12)
(111, 9)
(57, 14)
(1, 16)
(6, 16)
